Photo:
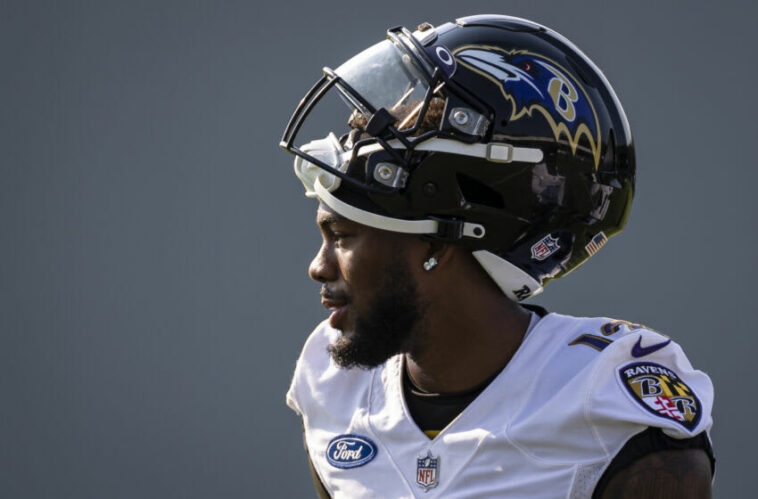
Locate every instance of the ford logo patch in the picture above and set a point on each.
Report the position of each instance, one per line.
(350, 451)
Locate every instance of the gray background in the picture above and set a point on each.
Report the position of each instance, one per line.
(154, 243)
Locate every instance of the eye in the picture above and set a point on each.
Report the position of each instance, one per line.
(340, 237)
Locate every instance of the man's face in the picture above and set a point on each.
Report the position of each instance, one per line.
(369, 284)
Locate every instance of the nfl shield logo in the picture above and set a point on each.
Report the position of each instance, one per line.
(427, 471)
(545, 247)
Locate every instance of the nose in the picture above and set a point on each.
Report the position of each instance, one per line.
(323, 268)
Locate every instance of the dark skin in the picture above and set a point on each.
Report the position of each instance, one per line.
(459, 296)
(664, 475)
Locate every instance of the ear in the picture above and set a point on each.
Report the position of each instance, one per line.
(441, 252)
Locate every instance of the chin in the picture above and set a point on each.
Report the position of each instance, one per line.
(344, 326)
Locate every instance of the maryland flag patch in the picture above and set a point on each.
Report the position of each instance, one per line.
(660, 391)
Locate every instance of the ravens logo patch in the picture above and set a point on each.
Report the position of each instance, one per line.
(660, 391)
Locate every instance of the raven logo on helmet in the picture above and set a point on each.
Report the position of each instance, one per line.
(534, 83)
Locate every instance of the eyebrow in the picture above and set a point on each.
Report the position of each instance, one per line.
(327, 220)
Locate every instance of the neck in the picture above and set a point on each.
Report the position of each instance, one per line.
(469, 335)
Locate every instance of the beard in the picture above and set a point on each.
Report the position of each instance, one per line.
(389, 328)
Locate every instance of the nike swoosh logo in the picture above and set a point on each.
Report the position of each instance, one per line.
(639, 351)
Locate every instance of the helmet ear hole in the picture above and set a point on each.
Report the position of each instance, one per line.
(477, 192)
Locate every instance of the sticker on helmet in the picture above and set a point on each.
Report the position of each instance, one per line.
(545, 247)
(532, 83)
(596, 243)
(660, 391)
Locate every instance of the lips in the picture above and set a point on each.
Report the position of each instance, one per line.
(338, 309)
(335, 319)
(337, 303)
(332, 304)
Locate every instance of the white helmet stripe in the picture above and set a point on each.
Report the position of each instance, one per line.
(498, 152)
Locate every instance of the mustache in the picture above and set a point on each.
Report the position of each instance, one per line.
(332, 294)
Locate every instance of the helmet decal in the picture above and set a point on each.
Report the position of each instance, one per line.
(532, 82)
(545, 247)
(596, 243)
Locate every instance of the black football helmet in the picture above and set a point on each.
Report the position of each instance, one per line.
(491, 132)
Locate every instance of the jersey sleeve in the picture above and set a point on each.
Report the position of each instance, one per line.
(644, 379)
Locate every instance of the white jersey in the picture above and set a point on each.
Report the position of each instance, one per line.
(548, 425)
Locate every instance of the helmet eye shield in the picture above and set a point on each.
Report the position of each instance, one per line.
(365, 110)
(401, 82)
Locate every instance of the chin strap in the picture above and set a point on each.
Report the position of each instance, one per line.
(429, 226)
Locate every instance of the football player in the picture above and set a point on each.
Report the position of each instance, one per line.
(458, 170)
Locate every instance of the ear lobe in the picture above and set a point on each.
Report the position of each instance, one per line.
(440, 252)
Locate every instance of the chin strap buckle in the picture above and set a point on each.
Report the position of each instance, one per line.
(448, 229)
